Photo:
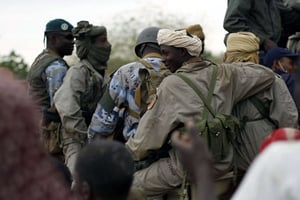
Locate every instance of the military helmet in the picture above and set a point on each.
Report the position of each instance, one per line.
(148, 35)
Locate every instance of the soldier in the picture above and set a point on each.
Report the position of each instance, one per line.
(262, 113)
(47, 72)
(127, 79)
(283, 62)
(176, 102)
(260, 17)
(123, 89)
(82, 88)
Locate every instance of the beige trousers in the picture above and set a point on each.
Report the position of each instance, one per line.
(165, 176)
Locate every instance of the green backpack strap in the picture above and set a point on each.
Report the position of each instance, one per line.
(200, 94)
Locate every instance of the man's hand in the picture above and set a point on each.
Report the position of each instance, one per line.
(196, 159)
(193, 151)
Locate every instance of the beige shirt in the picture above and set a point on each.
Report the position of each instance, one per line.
(176, 101)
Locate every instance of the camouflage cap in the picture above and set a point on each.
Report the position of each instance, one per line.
(60, 25)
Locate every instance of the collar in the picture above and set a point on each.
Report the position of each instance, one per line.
(193, 64)
(50, 51)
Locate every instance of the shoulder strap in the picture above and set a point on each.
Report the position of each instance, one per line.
(199, 93)
(262, 109)
(211, 88)
(104, 79)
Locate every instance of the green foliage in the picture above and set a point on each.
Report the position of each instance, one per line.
(115, 63)
(214, 58)
(15, 63)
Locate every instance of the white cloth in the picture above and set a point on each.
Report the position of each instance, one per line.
(295, 4)
(180, 39)
(274, 175)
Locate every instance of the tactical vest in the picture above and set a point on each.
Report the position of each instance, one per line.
(37, 78)
(150, 79)
(94, 91)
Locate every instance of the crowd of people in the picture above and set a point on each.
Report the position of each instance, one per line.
(172, 125)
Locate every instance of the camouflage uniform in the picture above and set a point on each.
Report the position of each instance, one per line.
(121, 91)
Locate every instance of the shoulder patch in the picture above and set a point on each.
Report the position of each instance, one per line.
(152, 102)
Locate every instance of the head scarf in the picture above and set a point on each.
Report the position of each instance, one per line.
(282, 134)
(294, 43)
(180, 39)
(196, 30)
(85, 34)
(26, 171)
(242, 47)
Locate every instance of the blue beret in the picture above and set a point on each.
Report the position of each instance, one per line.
(60, 25)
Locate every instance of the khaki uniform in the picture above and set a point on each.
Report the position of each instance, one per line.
(176, 102)
(283, 112)
(75, 102)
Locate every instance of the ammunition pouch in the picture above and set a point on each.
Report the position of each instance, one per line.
(219, 133)
(52, 137)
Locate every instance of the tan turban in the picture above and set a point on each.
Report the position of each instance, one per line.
(180, 39)
(196, 29)
(242, 47)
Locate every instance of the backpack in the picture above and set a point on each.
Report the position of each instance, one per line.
(145, 93)
(219, 132)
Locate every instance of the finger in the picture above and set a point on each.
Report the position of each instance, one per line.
(186, 138)
(175, 138)
(189, 123)
(177, 141)
(175, 135)
(191, 127)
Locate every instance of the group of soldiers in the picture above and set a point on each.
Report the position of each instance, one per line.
(145, 101)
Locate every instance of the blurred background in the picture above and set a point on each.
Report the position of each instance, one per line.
(23, 22)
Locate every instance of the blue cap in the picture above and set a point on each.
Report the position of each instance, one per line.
(276, 54)
(59, 25)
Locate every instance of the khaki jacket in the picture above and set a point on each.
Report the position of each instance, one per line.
(177, 101)
(283, 113)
